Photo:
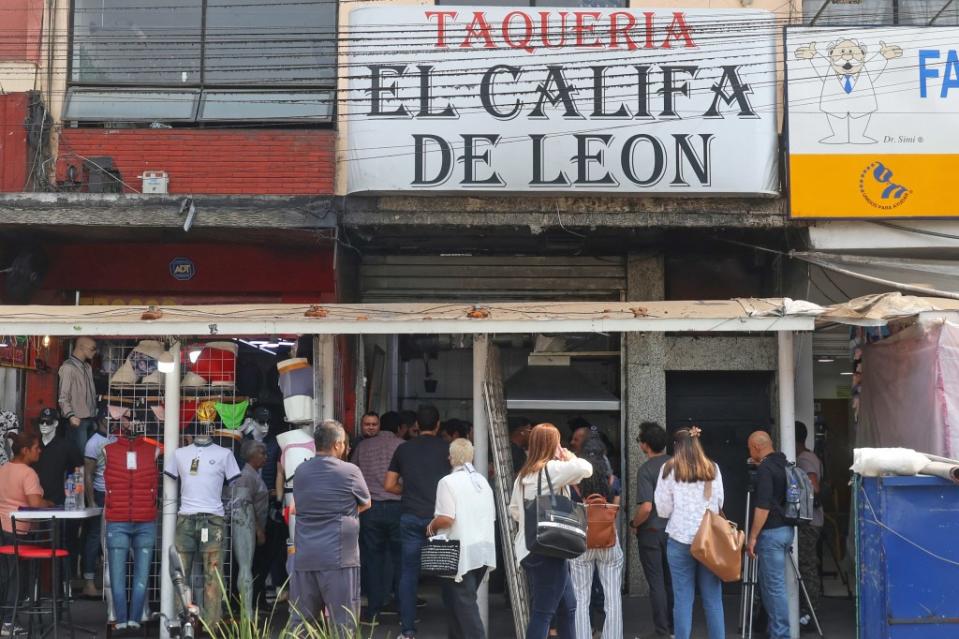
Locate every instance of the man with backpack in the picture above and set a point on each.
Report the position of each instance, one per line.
(771, 536)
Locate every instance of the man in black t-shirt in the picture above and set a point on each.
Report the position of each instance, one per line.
(770, 537)
(650, 528)
(415, 470)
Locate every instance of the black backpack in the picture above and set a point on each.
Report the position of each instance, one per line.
(800, 498)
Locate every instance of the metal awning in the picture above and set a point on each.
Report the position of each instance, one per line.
(738, 315)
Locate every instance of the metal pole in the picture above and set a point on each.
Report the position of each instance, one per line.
(171, 441)
(787, 443)
(481, 445)
(328, 378)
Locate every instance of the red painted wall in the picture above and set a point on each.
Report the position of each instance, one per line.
(20, 30)
(211, 161)
(13, 140)
(219, 273)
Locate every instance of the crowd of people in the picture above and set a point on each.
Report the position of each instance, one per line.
(365, 510)
(400, 491)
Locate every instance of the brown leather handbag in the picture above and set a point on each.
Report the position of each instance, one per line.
(600, 522)
(718, 543)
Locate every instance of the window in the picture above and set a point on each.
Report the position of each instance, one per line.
(202, 60)
(880, 12)
(129, 42)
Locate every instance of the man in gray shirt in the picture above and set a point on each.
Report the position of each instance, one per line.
(650, 528)
(328, 494)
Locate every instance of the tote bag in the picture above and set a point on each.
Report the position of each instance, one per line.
(718, 543)
(440, 556)
(555, 525)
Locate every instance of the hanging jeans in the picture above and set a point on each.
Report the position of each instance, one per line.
(122, 537)
(688, 574)
(189, 540)
(244, 545)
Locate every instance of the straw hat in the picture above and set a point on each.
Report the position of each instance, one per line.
(192, 380)
(124, 375)
(153, 379)
(150, 347)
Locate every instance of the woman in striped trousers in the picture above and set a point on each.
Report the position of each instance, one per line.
(607, 563)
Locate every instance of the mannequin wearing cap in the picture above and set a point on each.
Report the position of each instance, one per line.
(202, 469)
(58, 457)
(77, 395)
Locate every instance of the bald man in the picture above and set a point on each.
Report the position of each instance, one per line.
(78, 396)
(770, 537)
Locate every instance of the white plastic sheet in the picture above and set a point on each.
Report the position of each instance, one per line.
(910, 390)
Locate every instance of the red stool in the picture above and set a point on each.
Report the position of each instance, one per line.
(41, 544)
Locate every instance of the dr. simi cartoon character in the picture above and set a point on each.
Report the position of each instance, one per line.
(848, 95)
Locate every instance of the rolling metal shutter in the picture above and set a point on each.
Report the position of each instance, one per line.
(395, 278)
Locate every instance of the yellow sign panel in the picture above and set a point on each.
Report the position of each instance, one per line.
(873, 122)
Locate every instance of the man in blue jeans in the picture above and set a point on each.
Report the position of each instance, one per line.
(415, 470)
(770, 537)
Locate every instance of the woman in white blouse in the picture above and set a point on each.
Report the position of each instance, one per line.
(681, 497)
(465, 511)
(551, 590)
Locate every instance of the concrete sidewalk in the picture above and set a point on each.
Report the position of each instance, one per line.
(837, 617)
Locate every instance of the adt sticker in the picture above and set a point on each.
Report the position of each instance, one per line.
(182, 268)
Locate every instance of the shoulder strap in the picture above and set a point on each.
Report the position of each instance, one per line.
(549, 482)
(708, 491)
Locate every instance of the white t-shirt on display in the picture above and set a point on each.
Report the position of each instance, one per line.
(202, 471)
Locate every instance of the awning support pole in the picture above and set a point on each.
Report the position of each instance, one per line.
(481, 445)
(787, 443)
(171, 441)
(328, 368)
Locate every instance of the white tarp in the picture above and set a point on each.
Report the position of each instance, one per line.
(498, 99)
(910, 390)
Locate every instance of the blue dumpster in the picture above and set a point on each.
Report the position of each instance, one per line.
(907, 534)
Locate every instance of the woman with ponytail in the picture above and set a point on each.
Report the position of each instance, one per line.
(681, 497)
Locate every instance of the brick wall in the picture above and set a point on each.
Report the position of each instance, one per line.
(13, 141)
(211, 161)
(20, 30)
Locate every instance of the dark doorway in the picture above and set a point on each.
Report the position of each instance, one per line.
(728, 406)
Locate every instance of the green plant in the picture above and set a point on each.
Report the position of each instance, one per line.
(257, 625)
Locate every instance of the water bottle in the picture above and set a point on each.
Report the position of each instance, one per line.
(70, 503)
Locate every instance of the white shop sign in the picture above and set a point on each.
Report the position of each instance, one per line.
(454, 99)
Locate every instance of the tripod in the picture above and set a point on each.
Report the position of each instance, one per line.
(747, 597)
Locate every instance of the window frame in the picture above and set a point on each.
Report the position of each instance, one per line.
(328, 87)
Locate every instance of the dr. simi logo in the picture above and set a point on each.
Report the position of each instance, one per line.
(877, 185)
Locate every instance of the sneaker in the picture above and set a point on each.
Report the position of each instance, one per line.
(405, 636)
(11, 630)
(420, 603)
(121, 626)
(132, 625)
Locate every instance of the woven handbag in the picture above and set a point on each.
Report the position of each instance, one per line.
(440, 556)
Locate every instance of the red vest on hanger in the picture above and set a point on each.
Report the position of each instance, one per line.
(131, 487)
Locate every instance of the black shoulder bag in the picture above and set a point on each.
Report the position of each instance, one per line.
(555, 525)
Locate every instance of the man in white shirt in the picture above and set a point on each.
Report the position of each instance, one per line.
(202, 469)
